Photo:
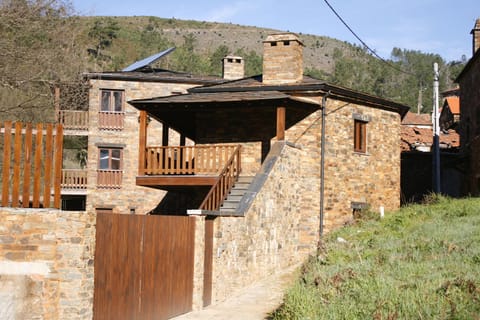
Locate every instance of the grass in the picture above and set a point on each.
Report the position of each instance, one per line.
(422, 262)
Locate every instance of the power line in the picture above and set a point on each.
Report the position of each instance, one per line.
(365, 45)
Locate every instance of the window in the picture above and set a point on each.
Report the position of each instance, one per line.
(360, 136)
(111, 116)
(112, 101)
(110, 159)
(109, 173)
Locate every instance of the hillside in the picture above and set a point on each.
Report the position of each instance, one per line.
(318, 51)
(421, 262)
(46, 46)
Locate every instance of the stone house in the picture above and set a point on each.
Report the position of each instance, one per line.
(263, 166)
(111, 126)
(469, 82)
(303, 156)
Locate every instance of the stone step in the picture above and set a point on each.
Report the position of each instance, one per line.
(236, 194)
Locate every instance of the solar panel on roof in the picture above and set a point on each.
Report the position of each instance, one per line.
(145, 62)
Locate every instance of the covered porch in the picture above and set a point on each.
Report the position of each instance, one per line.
(226, 131)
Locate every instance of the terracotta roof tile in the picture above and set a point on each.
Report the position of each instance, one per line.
(417, 119)
(453, 104)
(413, 138)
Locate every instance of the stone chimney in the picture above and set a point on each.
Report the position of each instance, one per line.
(282, 59)
(233, 68)
(476, 36)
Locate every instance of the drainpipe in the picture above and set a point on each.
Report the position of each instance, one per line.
(322, 161)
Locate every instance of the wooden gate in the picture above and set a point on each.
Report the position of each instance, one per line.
(143, 266)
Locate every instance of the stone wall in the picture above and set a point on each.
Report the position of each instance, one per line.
(273, 234)
(46, 264)
(470, 123)
(128, 196)
(282, 226)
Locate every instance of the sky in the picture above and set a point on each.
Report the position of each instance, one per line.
(431, 26)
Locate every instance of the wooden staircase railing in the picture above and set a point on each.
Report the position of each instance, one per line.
(224, 184)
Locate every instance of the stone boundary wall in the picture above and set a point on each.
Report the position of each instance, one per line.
(46, 264)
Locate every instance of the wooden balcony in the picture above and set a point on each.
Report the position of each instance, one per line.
(74, 179)
(217, 166)
(109, 179)
(110, 120)
(73, 120)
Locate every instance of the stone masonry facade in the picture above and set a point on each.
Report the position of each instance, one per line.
(281, 228)
(46, 264)
(128, 197)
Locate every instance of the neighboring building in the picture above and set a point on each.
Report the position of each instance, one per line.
(450, 113)
(417, 140)
(286, 195)
(469, 82)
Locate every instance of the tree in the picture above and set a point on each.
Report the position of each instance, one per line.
(103, 32)
(39, 48)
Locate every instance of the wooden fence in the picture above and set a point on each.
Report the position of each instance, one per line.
(31, 165)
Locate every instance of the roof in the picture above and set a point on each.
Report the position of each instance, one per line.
(415, 119)
(416, 138)
(155, 75)
(453, 104)
(253, 89)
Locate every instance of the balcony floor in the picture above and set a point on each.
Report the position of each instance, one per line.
(165, 181)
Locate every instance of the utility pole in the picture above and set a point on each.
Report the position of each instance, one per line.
(436, 132)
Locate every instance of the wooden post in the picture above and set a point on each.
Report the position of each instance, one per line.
(57, 104)
(17, 148)
(57, 181)
(37, 169)
(27, 166)
(6, 163)
(165, 129)
(142, 142)
(48, 166)
(280, 123)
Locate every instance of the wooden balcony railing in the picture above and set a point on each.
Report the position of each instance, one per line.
(74, 179)
(199, 159)
(219, 191)
(111, 120)
(73, 120)
(109, 179)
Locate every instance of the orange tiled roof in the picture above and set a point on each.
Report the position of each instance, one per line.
(416, 137)
(453, 104)
(423, 119)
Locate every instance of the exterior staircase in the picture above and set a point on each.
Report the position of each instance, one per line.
(232, 202)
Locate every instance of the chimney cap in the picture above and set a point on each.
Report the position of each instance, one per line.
(283, 36)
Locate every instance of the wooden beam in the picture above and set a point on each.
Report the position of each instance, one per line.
(159, 181)
(280, 123)
(142, 142)
(37, 166)
(48, 166)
